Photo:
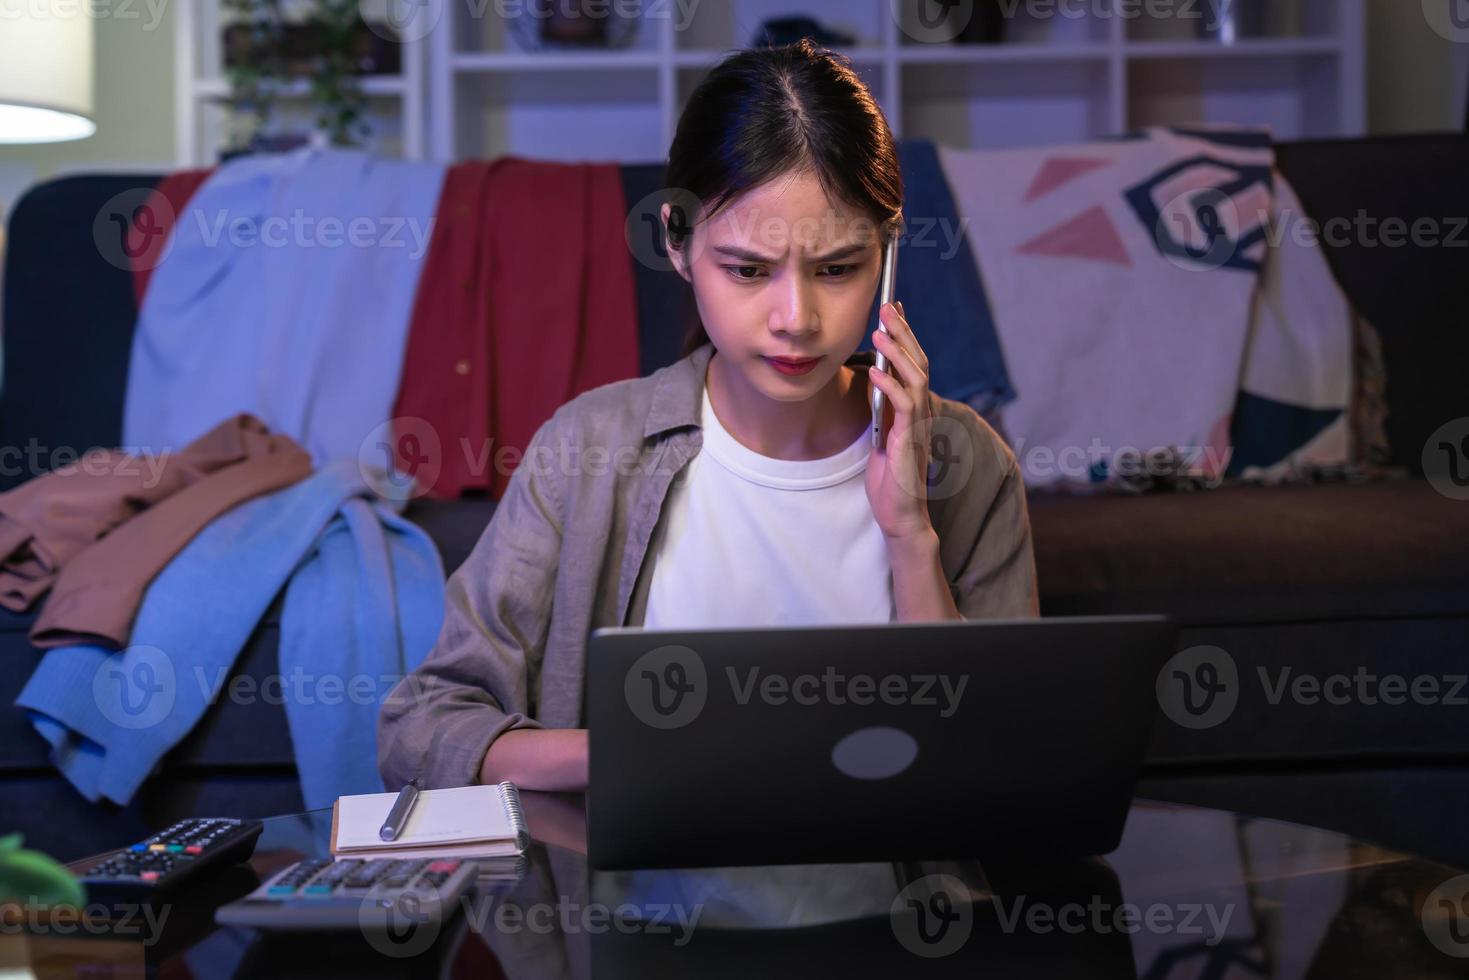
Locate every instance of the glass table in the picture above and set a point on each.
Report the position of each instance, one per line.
(1190, 892)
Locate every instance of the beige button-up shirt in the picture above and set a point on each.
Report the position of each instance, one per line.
(567, 552)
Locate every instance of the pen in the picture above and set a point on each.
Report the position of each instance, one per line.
(398, 815)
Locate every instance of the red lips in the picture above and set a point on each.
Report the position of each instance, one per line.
(793, 367)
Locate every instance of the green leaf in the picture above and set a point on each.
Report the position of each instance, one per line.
(35, 878)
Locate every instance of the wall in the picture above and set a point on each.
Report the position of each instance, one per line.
(135, 72)
(1411, 71)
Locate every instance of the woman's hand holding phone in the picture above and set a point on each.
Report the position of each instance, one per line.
(897, 468)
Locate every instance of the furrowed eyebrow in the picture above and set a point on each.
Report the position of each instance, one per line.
(745, 255)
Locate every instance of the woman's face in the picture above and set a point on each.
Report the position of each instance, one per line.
(782, 272)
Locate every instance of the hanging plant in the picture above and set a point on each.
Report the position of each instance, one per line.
(254, 69)
(265, 54)
(336, 86)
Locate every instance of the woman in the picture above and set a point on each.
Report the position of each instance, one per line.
(723, 489)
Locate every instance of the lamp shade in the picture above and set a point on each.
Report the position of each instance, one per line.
(46, 55)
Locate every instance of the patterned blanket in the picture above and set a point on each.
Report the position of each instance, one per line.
(1163, 307)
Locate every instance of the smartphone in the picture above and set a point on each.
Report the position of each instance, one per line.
(884, 297)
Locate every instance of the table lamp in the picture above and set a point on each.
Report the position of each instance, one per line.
(45, 73)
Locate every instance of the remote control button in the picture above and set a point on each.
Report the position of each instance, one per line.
(149, 876)
(193, 849)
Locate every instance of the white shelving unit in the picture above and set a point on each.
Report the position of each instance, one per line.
(469, 90)
(396, 103)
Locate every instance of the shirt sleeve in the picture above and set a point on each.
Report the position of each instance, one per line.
(438, 722)
(984, 531)
(998, 580)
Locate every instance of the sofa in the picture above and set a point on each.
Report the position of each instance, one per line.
(1323, 579)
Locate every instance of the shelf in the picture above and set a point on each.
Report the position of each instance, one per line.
(377, 86)
(1255, 21)
(488, 61)
(388, 135)
(873, 73)
(566, 116)
(734, 24)
(469, 87)
(956, 54)
(970, 54)
(997, 105)
(709, 57)
(1252, 48)
(479, 27)
(565, 92)
(1296, 96)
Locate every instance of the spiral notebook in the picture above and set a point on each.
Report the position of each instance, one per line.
(464, 821)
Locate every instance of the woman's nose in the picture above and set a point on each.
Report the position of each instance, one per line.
(795, 312)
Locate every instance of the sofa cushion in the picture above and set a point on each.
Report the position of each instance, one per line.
(69, 316)
(1255, 554)
(665, 302)
(454, 525)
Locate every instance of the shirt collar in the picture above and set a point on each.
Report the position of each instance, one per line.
(680, 389)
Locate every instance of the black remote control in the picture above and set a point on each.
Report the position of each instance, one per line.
(187, 851)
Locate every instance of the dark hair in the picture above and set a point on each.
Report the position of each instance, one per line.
(768, 111)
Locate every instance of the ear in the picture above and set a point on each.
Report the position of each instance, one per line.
(678, 257)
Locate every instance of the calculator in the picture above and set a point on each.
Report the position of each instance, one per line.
(367, 894)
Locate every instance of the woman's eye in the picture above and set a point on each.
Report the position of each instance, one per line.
(749, 273)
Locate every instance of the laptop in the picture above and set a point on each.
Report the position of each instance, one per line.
(1010, 741)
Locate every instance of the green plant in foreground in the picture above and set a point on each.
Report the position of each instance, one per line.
(30, 877)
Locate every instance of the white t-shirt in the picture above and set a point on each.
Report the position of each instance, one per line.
(748, 540)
